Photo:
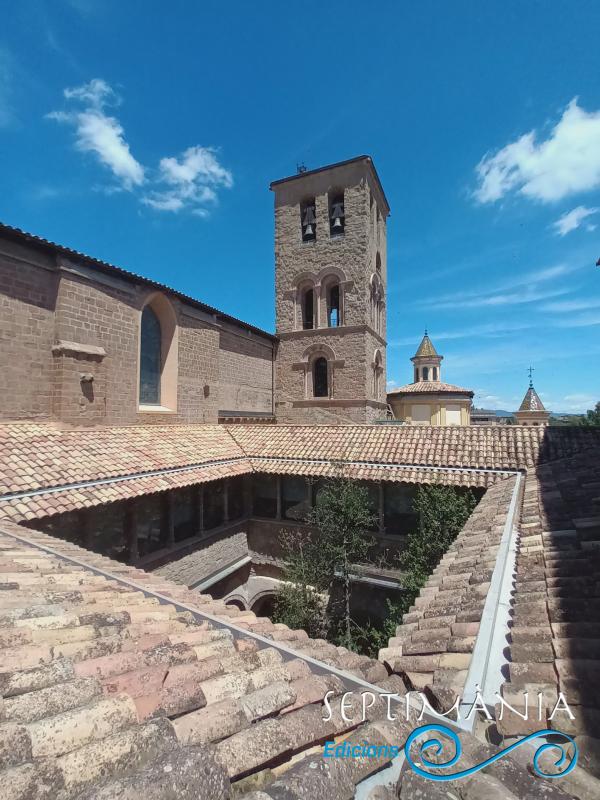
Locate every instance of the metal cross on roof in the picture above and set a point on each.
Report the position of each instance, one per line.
(531, 370)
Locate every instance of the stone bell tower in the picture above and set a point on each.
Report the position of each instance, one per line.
(330, 288)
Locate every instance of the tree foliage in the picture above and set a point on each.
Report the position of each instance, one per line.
(318, 567)
(315, 566)
(442, 513)
(592, 417)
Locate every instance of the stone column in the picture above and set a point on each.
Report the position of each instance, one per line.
(167, 520)
(381, 508)
(201, 509)
(226, 500)
(279, 498)
(309, 492)
(197, 510)
(131, 529)
(87, 536)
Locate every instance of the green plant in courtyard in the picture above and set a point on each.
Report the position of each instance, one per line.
(320, 565)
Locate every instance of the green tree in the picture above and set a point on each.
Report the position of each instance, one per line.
(342, 516)
(298, 603)
(592, 417)
(318, 565)
(442, 513)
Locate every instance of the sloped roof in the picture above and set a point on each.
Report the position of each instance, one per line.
(531, 401)
(430, 387)
(45, 470)
(426, 348)
(113, 677)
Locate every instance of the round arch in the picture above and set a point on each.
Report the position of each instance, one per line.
(167, 366)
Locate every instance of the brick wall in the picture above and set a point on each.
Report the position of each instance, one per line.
(27, 303)
(70, 348)
(245, 372)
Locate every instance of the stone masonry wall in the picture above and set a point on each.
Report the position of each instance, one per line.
(70, 348)
(27, 302)
(245, 372)
(352, 258)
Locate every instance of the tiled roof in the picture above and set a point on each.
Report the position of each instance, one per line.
(426, 348)
(101, 681)
(433, 645)
(33, 457)
(116, 683)
(430, 387)
(478, 447)
(531, 401)
(555, 637)
(45, 470)
(370, 472)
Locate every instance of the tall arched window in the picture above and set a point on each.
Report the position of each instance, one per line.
(434, 376)
(333, 306)
(150, 358)
(320, 382)
(308, 309)
(425, 373)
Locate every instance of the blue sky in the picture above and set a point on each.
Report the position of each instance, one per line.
(147, 134)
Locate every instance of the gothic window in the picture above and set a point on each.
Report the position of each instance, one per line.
(320, 387)
(308, 310)
(308, 220)
(333, 306)
(336, 214)
(150, 358)
(425, 373)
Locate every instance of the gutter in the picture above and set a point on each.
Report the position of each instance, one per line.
(487, 662)
(239, 459)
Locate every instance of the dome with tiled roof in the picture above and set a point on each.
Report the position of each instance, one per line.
(426, 348)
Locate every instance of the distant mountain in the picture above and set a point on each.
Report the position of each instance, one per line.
(497, 412)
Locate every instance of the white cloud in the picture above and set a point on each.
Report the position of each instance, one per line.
(189, 181)
(566, 306)
(490, 330)
(525, 288)
(578, 403)
(572, 220)
(566, 162)
(98, 133)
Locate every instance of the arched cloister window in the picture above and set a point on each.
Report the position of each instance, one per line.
(425, 373)
(320, 377)
(158, 343)
(308, 309)
(150, 358)
(334, 318)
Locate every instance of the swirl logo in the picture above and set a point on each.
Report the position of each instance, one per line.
(435, 746)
